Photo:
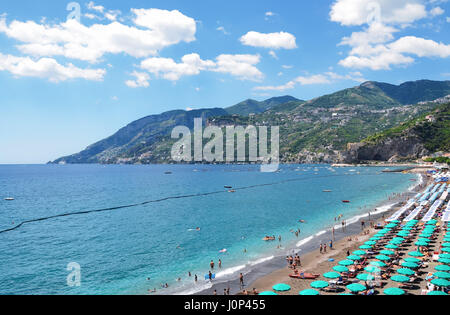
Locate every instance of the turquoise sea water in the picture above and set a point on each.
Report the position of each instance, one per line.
(118, 250)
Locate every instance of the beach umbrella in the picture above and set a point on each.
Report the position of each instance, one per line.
(319, 284)
(281, 287)
(332, 275)
(365, 277)
(410, 265)
(387, 252)
(400, 278)
(383, 257)
(391, 226)
(372, 269)
(395, 221)
(370, 243)
(354, 257)
(426, 235)
(356, 287)
(391, 246)
(444, 256)
(378, 264)
(365, 247)
(406, 272)
(396, 242)
(413, 260)
(421, 243)
(345, 294)
(346, 262)
(394, 291)
(446, 245)
(309, 292)
(444, 260)
(416, 254)
(437, 293)
(359, 252)
(340, 268)
(403, 234)
(442, 268)
(268, 293)
(399, 239)
(440, 282)
(446, 249)
(442, 275)
(423, 240)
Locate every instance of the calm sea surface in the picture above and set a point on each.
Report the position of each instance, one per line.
(119, 249)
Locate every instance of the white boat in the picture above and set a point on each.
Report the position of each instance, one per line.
(9, 199)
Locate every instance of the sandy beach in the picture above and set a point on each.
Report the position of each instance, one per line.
(319, 263)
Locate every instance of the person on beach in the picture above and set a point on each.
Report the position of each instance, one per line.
(279, 238)
(211, 264)
(331, 244)
(325, 248)
(215, 292)
(196, 279)
(220, 263)
(321, 249)
(225, 291)
(241, 280)
(210, 276)
(255, 292)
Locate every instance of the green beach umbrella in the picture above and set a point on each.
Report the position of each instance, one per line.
(423, 240)
(421, 243)
(400, 278)
(442, 268)
(332, 275)
(359, 252)
(372, 269)
(371, 243)
(444, 256)
(391, 226)
(437, 293)
(356, 287)
(340, 268)
(281, 287)
(403, 234)
(395, 242)
(391, 246)
(365, 247)
(444, 260)
(442, 275)
(395, 221)
(319, 284)
(345, 294)
(268, 293)
(416, 254)
(346, 262)
(365, 277)
(309, 292)
(378, 264)
(426, 235)
(413, 260)
(400, 239)
(383, 257)
(387, 252)
(406, 272)
(440, 282)
(394, 291)
(410, 265)
(446, 245)
(354, 257)
(446, 249)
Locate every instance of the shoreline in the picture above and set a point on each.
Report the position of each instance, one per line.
(317, 263)
(265, 274)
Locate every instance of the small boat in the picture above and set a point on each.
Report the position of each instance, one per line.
(232, 191)
(346, 201)
(228, 187)
(168, 173)
(327, 190)
(302, 221)
(268, 238)
(9, 199)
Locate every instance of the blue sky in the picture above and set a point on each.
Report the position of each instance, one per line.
(67, 84)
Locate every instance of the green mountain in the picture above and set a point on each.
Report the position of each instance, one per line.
(250, 106)
(419, 137)
(315, 131)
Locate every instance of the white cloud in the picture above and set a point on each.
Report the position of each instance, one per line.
(91, 6)
(240, 66)
(115, 98)
(375, 47)
(437, 11)
(273, 54)
(223, 30)
(157, 29)
(47, 68)
(272, 40)
(359, 12)
(141, 80)
(316, 79)
(287, 66)
(448, 19)
(269, 13)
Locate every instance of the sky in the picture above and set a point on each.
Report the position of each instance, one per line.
(73, 73)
